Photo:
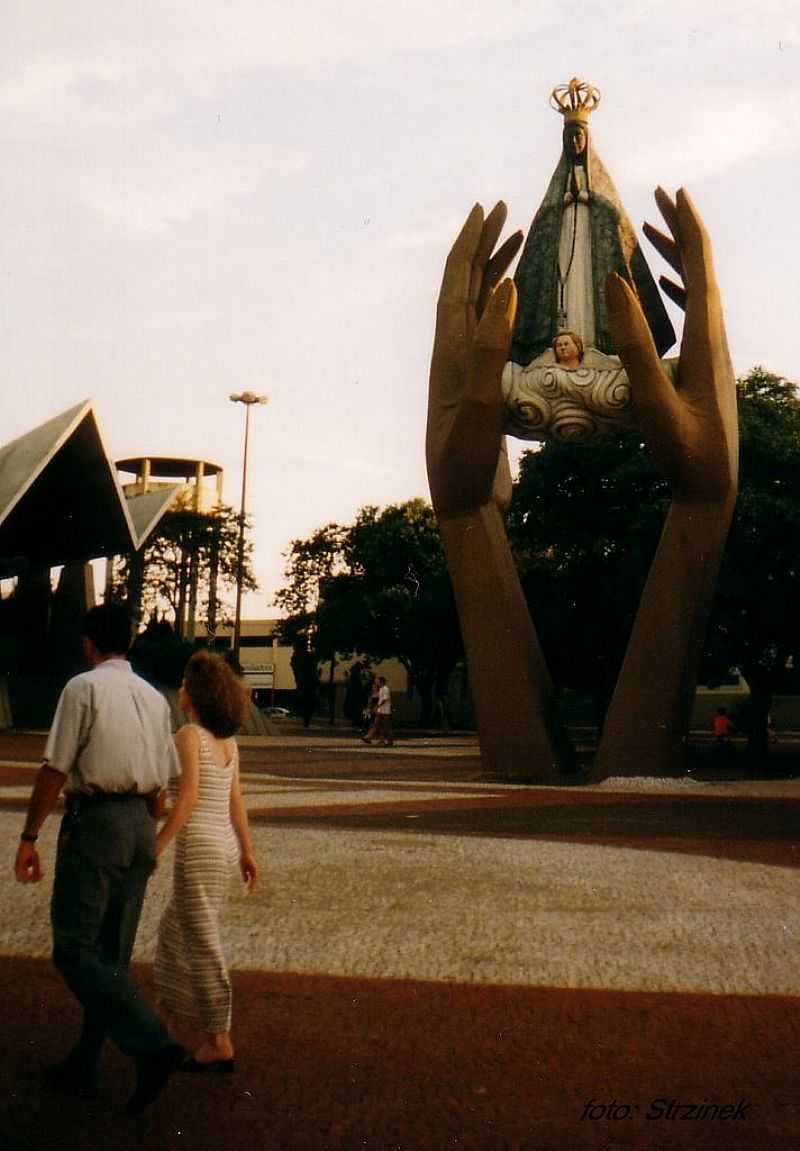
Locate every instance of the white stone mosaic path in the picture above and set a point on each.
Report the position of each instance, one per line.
(477, 909)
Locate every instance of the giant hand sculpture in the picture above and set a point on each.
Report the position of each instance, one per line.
(692, 433)
(470, 486)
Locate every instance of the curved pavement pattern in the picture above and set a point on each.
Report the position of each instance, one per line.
(431, 961)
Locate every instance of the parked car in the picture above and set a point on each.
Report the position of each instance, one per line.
(277, 712)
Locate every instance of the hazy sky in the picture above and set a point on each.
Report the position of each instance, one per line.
(200, 198)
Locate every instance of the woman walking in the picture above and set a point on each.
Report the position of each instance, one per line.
(208, 819)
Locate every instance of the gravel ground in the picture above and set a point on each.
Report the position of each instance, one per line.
(418, 906)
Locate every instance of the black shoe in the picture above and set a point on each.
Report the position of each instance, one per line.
(70, 1077)
(152, 1073)
(221, 1066)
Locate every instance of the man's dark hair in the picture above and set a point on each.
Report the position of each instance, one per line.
(108, 626)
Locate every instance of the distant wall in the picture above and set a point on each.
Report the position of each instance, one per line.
(255, 724)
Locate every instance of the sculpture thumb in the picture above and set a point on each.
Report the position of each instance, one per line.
(651, 389)
(491, 343)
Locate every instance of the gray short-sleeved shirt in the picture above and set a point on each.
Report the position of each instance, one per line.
(112, 732)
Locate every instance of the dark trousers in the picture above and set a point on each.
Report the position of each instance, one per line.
(381, 727)
(106, 854)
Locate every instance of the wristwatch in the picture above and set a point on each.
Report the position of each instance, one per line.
(29, 837)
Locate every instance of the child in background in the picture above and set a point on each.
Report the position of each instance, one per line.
(723, 727)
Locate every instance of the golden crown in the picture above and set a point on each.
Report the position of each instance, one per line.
(575, 101)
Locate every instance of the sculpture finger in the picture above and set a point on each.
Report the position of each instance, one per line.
(702, 328)
(669, 211)
(493, 226)
(675, 292)
(698, 270)
(497, 268)
(455, 321)
(457, 276)
(476, 431)
(705, 371)
(665, 246)
(466, 426)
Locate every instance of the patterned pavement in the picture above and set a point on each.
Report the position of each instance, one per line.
(434, 961)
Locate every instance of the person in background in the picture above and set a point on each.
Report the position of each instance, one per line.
(382, 725)
(371, 709)
(723, 727)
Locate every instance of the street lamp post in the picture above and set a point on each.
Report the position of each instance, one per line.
(248, 399)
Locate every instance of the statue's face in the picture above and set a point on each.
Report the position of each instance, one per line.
(576, 139)
(566, 350)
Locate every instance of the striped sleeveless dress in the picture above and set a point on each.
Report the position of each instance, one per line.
(190, 971)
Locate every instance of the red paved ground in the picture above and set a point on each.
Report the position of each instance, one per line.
(341, 1065)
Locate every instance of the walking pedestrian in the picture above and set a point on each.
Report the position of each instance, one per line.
(209, 819)
(372, 705)
(110, 749)
(382, 724)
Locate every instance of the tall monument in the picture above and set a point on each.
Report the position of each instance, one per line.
(583, 320)
(579, 235)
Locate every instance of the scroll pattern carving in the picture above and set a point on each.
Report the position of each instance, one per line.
(546, 401)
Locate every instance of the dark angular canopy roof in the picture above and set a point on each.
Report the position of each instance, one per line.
(61, 501)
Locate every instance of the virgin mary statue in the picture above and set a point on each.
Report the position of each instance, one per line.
(579, 234)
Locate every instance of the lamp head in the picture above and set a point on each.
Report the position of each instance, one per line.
(248, 398)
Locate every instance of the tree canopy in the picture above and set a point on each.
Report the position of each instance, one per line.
(584, 524)
(585, 521)
(756, 620)
(187, 563)
(378, 588)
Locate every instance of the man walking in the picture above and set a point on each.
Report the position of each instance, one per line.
(382, 724)
(110, 748)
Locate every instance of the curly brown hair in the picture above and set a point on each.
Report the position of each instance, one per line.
(216, 692)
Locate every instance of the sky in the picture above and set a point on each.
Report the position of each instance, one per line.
(200, 198)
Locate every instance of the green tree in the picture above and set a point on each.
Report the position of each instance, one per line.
(356, 694)
(309, 563)
(379, 588)
(585, 521)
(159, 656)
(756, 622)
(187, 563)
(306, 677)
(408, 611)
(311, 620)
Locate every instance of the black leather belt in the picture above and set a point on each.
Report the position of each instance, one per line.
(77, 799)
